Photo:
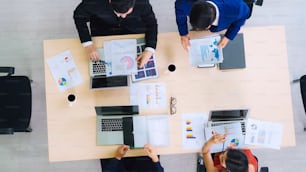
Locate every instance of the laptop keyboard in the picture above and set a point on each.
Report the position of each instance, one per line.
(226, 122)
(98, 67)
(111, 124)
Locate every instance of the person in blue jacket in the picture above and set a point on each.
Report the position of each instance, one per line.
(150, 163)
(212, 15)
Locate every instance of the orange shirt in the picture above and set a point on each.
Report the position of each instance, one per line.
(252, 160)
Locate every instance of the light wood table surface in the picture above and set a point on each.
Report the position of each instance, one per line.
(263, 87)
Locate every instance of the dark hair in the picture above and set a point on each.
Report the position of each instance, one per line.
(122, 6)
(236, 161)
(202, 14)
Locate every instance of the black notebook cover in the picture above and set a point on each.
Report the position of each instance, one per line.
(233, 54)
(128, 135)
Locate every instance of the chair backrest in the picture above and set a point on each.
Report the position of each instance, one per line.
(15, 102)
(6, 131)
(9, 70)
(303, 90)
(262, 169)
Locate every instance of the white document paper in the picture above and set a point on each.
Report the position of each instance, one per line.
(121, 56)
(148, 95)
(205, 51)
(264, 133)
(234, 137)
(151, 129)
(64, 70)
(193, 130)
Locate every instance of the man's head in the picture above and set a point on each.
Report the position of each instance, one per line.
(122, 6)
(234, 160)
(202, 15)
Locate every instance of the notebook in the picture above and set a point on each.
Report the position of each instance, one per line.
(98, 78)
(129, 128)
(220, 117)
(233, 54)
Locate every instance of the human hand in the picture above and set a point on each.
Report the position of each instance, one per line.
(151, 152)
(143, 58)
(121, 151)
(223, 42)
(92, 53)
(185, 42)
(215, 139)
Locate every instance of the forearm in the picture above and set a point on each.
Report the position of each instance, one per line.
(181, 16)
(81, 17)
(151, 26)
(233, 30)
(208, 161)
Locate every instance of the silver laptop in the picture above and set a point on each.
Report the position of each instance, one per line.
(110, 123)
(220, 117)
(98, 78)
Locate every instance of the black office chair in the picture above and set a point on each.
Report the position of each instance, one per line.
(302, 81)
(15, 102)
(201, 165)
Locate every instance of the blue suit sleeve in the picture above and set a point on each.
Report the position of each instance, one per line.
(182, 10)
(234, 29)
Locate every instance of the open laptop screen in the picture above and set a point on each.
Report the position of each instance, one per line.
(225, 115)
(113, 81)
(116, 110)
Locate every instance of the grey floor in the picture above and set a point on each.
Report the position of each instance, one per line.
(25, 24)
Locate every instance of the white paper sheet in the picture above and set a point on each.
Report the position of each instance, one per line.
(151, 129)
(264, 133)
(193, 130)
(234, 137)
(121, 56)
(148, 95)
(64, 70)
(205, 51)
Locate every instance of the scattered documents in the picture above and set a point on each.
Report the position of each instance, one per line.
(120, 56)
(205, 51)
(148, 95)
(64, 70)
(263, 133)
(193, 130)
(234, 137)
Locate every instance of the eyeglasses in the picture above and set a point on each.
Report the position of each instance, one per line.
(172, 105)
